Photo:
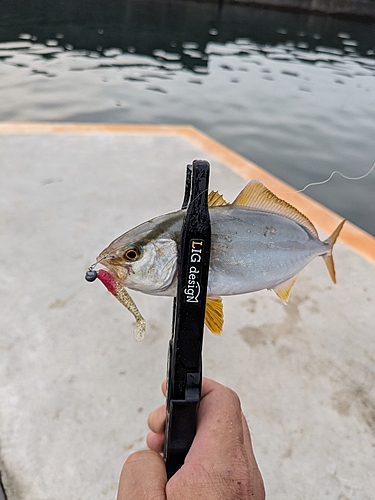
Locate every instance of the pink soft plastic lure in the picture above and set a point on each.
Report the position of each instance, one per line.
(122, 296)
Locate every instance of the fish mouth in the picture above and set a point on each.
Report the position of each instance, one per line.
(118, 272)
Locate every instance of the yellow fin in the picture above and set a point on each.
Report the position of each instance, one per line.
(215, 199)
(283, 290)
(214, 317)
(328, 258)
(256, 196)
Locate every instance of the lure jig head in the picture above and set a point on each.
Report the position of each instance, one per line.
(91, 275)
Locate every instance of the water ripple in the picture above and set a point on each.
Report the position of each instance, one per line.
(300, 108)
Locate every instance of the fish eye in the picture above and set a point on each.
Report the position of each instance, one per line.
(132, 254)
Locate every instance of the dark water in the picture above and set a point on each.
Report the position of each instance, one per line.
(294, 93)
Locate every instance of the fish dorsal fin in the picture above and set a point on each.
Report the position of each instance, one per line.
(283, 290)
(215, 199)
(214, 316)
(256, 196)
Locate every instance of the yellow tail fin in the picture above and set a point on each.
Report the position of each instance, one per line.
(328, 258)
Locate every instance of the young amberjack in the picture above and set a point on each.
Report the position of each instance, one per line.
(258, 242)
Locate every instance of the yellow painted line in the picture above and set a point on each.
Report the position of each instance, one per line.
(326, 220)
(89, 128)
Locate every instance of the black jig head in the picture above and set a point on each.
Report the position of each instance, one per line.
(91, 275)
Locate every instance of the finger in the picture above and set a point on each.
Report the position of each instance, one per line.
(164, 387)
(206, 386)
(220, 462)
(156, 420)
(143, 477)
(247, 439)
(219, 425)
(155, 442)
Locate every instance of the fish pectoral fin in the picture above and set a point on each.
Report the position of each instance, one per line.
(214, 316)
(257, 197)
(215, 199)
(283, 290)
(328, 258)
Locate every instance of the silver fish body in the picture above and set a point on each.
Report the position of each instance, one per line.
(250, 251)
(259, 241)
(254, 250)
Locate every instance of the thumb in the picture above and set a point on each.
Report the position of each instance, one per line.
(143, 476)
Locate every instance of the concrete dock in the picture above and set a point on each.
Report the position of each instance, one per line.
(76, 388)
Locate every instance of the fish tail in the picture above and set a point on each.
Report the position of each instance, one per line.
(328, 257)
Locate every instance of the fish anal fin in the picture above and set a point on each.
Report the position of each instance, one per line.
(215, 199)
(328, 258)
(283, 289)
(256, 196)
(214, 316)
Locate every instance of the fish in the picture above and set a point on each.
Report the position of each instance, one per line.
(258, 241)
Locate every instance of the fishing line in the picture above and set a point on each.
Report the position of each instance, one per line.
(339, 173)
(240, 185)
(91, 274)
(322, 182)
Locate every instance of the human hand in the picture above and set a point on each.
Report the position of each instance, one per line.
(220, 464)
